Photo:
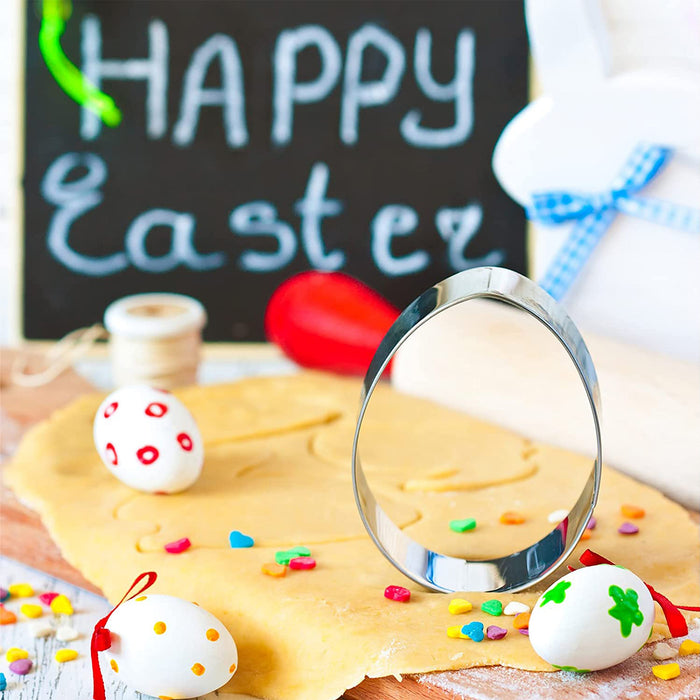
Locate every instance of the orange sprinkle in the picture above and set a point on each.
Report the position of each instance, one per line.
(7, 617)
(159, 627)
(521, 621)
(198, 669)
(629, 511)
(232, 668)
(510, 517)
(586, 535)
(141, 597)
(114, 665)
(274, 570)
(212, 634)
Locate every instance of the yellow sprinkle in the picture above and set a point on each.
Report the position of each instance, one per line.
(21, 590)
(61, 605)
(14, 654)
(198, 669)
(63, 655)
(274, 570)
(455, 632)
(140, 598)
(232, 668)
(688, 647)
(114, 665)
(666, 671)
(459, 606)
(212, 635)
(31, 610)
(159, 627)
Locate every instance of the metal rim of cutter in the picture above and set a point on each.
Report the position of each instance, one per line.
(521, 569)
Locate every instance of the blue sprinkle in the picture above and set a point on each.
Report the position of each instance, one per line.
(3, 681)
(474, 630)
(238, 540)
(4, 594)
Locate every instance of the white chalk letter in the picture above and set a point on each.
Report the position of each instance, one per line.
(457, 227)
(459, 91)
(72, 199)
(230, 96)
(357, 94)
(395, 220)
(154, 70)
(288, 91)
(181, 248)
(312, 208)
(260, 219)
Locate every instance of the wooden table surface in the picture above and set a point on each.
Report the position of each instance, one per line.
(24, 538)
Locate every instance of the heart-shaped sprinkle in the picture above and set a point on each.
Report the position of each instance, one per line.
(474, 630)
(462, 525)
(515, 608)
(274, 570)
(496, 632)
(397, 593)
(65, 633)
(177, 546)
(21, 667)
(628, 529)
(61, 605)
(492, 607)
(302, 563)
(284, 556)
(47, 597)
(524, 631)
(238, 540)
(459, 605)
(592, 522)
(4, 594)
(21, 590)
(7, 617)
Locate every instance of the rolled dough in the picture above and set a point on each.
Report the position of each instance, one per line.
(277, 468)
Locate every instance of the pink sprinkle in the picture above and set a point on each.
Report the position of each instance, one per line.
(302, 563)
(397, 593)
(47, 597)
(21, 667)
(495, 632)
(525, 631)
(591, 523)
(628, 529)
(178, 546)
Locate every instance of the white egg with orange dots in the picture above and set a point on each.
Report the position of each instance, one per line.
(168, 647)
(592, 618)
(148, 439)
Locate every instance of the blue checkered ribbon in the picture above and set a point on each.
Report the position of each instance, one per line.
(595, 212)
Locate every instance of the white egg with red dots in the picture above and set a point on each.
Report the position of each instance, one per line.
(168, 647)
(148, 439)
(592, 618)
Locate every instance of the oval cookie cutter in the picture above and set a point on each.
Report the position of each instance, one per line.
(518, 570)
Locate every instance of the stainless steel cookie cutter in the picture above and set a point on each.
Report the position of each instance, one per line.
(521, 569)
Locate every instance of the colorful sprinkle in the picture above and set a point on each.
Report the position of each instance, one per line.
(556, 516)
(284, 556)
(524, 631)
(47, 597)
(556, 594)
(512, 518)
(63, 655)
(459, 605)
(628, 529)
(666, 671)
(114, 665)
(3, 681)
(664, 652)
(274, 570)
(237, 540)
(21, 667)
(38, 630)
(463, 525)
(61, 605)
(688, 647)
(492, 607)
(586, 535)
(634, 512)
(592, 522)
(455, 632)
(31, 610)
(178, 546)
(14, 653)
(4, 594)
(515, 608)
(212, 634)
(397, 593)
(198, 670)
(7, 617)
(66, 634)
(302, 563)
(21, 590)
(496, 632)
(521, 621)
(474, 630)
(159, 627)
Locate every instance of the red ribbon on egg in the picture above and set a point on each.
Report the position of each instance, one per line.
(101, 639)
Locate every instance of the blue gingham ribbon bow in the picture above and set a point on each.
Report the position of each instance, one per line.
(595, 212)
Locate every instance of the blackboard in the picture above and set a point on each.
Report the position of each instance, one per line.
(259, 139)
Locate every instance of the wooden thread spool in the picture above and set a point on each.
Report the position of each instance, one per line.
(155, 339)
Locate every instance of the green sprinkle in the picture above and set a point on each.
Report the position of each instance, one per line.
(492, 607)
(462, 525)
(571, 669)
(626, 609)
(556, 594)
(284, 556)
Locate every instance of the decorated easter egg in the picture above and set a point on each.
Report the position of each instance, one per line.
(592, 618)
(168, 647)
(148, 439)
